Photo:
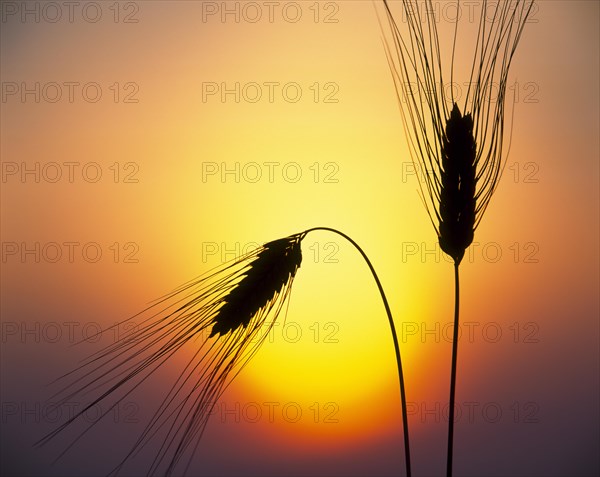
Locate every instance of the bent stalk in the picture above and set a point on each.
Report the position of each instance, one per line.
(394, 337)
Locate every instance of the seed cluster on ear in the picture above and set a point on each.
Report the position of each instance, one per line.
(457, 192)
(272, 268)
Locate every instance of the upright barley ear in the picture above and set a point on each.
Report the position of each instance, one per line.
(458, 181)
(459, 155)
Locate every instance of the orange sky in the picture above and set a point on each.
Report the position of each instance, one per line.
(186, 180)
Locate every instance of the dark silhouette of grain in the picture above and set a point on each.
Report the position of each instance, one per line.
(220, 319)
(457, 192)
(274, 265)
(458, 152)
(216, 322)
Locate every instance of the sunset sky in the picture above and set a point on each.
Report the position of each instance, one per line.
(144, 143)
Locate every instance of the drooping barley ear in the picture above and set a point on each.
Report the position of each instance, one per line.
(458, 181)
(234, 302)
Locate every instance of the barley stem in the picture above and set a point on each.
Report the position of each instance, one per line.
(394, 337)
(453, 373)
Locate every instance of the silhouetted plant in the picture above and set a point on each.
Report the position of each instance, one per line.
(224, 315)
(458, 153)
